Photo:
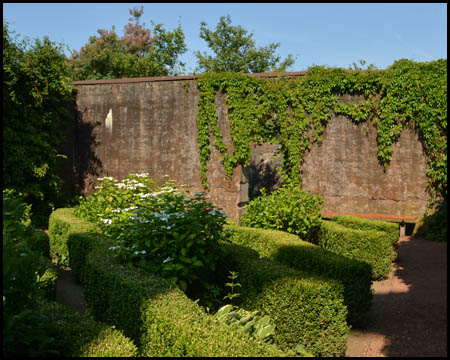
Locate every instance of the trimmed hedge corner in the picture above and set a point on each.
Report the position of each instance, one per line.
(288, 249)
(76, 335)
(61, 223)
(307, 310)
(370, 246)
(159, 317)
(354, 222)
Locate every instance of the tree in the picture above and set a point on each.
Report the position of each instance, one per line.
(36, 92)
(139, 53)
(236, 51)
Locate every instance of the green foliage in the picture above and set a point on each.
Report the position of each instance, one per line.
(392, 230)
(252, 323)
(162, 231)
(232, 295)
(370, 246)
(234, 50)
(293, 113)
(36, 92)
(140, 52)
(158, 317)
(288, 208)
(40, 242)
(23, 331)
(434, 225)
(288, 249)
(306, 309)
(76, 335)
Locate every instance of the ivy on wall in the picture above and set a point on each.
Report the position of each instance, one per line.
(294, 112)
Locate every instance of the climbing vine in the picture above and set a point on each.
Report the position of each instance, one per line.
(294, 112)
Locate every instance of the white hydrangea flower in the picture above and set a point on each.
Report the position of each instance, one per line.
(106, 221)
(114, 248)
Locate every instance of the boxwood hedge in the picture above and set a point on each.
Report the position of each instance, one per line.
(289, 249)
(156, 315)
(392, 230)
(76, 335)
(370, 246)
(306, 309)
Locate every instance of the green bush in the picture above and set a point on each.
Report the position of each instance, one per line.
(159, 229)
(61, 224)
(40, 242)
(370, 246)
(76, 335)
(36, 92)
(47, 282)
(148, 309)
(23, 269)
(289, 209)
(391, 229)
(434, 225)
(306, 309)
(288, 249)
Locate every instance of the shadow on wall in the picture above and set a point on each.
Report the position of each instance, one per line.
(82, 165)
(88, 165)
(262, 175)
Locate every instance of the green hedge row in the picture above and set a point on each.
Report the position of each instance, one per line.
(370, 246)
(391, 229)
(76, 335)
(61, 224)
(355, 276)
(307, 310)
(40, 242)
(156, 315)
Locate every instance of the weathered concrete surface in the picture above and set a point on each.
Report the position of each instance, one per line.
(148, 127)
(344, 168)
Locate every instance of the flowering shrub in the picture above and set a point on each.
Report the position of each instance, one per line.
(159, 229)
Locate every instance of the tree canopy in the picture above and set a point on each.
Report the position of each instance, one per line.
(140, 52)
(36, 91)
(235, 50)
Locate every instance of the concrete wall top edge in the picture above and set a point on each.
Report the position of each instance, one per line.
(179, 78)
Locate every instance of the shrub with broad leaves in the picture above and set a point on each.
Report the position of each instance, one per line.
(159, 229)
(289, 209)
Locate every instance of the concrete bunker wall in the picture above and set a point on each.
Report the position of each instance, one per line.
(150, 125)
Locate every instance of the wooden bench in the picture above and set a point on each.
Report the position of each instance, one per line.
(402, 219)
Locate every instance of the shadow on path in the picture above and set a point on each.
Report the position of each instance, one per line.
(409, 310)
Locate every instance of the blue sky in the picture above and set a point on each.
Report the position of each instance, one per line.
(333, 34)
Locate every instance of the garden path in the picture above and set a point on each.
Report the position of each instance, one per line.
(408, 316)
